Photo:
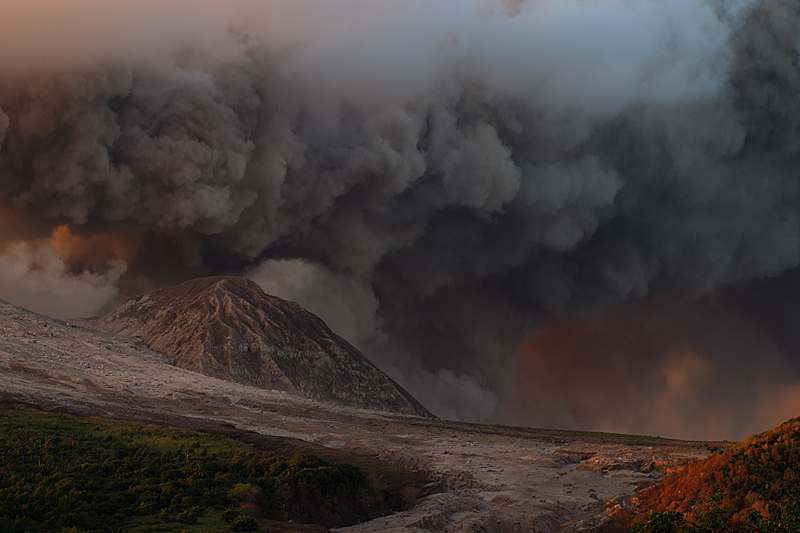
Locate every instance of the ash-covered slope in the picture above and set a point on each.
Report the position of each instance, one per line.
(228, 328)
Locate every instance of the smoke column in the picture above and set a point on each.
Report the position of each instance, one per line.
(459, 188)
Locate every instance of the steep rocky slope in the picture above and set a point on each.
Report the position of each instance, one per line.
(228, 328)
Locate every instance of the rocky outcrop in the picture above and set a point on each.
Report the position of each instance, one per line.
(228, 328)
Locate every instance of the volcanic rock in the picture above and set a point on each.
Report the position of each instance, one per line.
(228, 328)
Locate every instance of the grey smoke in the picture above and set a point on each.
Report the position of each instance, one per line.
(665, 366)
(39, 279)
(348, 305)
(3, 127)
(472, 170)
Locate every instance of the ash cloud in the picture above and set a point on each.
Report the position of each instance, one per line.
(3, 127)
(707, 369)
(347, 305)
(38, 278)
(469, 171)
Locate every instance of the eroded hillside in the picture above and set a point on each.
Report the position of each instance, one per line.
(228, 328)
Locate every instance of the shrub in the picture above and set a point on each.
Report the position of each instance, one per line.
(229, 515)
(664, 522)
(239, 493)
(101, 476)
(186, 517)
(244, 523)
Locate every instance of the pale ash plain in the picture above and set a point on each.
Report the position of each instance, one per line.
(487, 478)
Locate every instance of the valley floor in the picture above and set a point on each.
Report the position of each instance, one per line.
(480, 477)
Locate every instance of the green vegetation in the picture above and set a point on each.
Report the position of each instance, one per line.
(718, 518)
(63, 473)
(753, 487)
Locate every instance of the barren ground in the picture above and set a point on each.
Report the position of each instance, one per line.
(482, 477)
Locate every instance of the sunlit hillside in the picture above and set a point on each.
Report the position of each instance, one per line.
(754, 486)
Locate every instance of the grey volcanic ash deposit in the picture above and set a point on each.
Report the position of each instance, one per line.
(482, 478)
(228, 328)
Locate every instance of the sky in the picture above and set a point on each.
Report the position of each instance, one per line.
(575, 214)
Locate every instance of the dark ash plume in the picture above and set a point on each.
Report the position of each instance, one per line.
(480, 168)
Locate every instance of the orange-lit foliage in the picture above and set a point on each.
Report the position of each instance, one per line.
(759, 474)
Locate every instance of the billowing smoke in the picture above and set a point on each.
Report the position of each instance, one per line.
(38, 278)
(349, 305)
(436, 179)
(657, 363)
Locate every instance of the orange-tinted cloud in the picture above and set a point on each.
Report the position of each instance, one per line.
(703, 370)
(18, 224)
(39, 279)
(57, 271)
(94, 251)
